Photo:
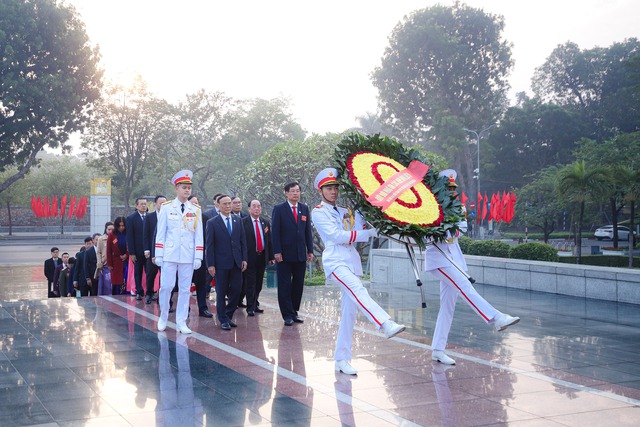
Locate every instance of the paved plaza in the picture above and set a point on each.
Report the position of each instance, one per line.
(100, 361)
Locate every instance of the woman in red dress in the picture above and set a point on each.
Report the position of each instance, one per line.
(117, 254)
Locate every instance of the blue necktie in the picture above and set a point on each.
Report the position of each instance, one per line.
(229, 226)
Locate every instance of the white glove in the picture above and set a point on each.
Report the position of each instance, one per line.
(373, 232)
(196, 264)
(159, 261)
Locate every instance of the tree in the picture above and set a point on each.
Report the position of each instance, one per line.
(538, 204)
(598, 81)
(578, 184)
(12, 195)
(617, 156)
(128, 129)
(49, 78)
(532, 136)
(444, 66)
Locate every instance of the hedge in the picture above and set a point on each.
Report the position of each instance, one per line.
(535, 251)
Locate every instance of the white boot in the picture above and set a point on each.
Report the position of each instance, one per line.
(391, 328)
(441, 356)
(344, 367)
(503, 321)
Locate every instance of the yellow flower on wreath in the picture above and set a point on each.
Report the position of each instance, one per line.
(418, 205)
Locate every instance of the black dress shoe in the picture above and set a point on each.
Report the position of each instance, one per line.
(233, 324)
(241, 305)
(206, 313)
(225, 326)
(288, 322)
(138, 297)
(147, 299)
(298, 320)
(250, 313)
(259, 310)
(154, 297)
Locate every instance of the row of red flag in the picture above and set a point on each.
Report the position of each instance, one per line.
(45, 208)
(499, 207)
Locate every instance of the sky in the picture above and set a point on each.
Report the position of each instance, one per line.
(319, 55)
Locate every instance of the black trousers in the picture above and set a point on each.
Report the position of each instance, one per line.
(138, 267)
(200, 280)
(152, 271)
(253, 276)
(229, 283)
(290, 286)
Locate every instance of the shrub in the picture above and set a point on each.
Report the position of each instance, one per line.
(494, 248)
(602, 260)
(465, 242)
(535, 251)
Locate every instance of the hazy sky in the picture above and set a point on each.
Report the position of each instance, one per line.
(318, 54)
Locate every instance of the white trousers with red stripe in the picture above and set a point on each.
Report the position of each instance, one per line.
(454, 284)
(354, 297)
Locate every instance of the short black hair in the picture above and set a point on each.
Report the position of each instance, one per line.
(223, 196)
(216, 196)
(290, 185)
(191, 197)
(54, 249)
(65, 253)
(140, 198)
(251, 201)
(72, 260)
(155, 200)
(88, 239)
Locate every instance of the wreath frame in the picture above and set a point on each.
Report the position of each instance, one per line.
(451, 207)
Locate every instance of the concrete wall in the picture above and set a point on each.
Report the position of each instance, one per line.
(604, 283)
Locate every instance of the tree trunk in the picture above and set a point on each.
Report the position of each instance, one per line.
(9, 216)
(579, 235)
(632, 239)
(614, 220)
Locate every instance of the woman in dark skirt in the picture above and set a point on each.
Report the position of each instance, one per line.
(117, 255)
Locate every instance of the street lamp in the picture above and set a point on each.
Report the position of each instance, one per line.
(477, 171)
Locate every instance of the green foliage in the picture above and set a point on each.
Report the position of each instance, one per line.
(465, 244)
(602, 260)
(445, 68)
(451, 207)
(318, 278)
(538, 205)
(493, 248)
(534, 251)
(49, 77)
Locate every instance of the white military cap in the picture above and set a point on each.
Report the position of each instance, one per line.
(451, 174)
(325, 177)
(182, 177)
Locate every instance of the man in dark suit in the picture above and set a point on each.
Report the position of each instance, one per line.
(200, 275)
(226, 252)
(259, 253)
(236, 207)
(50, 269)
(215, 211)
(56, 276)
(292, 247)
(149, 245)
(135, 245)
(90, 263)
(79, 281)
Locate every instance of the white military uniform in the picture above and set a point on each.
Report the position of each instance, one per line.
(452, 284)
(342, 262)
(179, 242)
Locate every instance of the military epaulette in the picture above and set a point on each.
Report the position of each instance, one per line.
(196, 205)
(318, 207)
(168, 202)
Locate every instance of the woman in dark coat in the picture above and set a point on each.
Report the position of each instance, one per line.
(117, 254)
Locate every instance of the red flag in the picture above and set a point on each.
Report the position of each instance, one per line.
(47, 206)
(72, 205)
(497, 213)
(511, 207)
(479, 208)
(82, 207)
(484, 208)
(464, 199)
(63, 206)
(54, 206)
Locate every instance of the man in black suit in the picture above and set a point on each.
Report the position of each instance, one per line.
(50, 269)
(292, 247)
(199, 278)
(257, 231)
(236, 207)
(149, 245)
(215, 211)
(56, 276)
(135, 245)
(226, 252)
(90, 264)
(79, 281)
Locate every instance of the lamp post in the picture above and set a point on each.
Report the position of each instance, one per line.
(477, 171)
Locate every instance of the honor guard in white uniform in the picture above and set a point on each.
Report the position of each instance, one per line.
(179, 248)
(453, 284)
(340, 230)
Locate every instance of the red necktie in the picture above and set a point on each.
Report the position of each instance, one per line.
(258, 237)
(295, 213)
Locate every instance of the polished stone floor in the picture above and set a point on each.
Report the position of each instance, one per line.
(100, 361)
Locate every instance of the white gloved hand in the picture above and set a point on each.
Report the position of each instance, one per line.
(373, 232)
(196, 264)
(159, 261)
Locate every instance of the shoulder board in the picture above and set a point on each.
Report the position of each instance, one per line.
(168, 202)
(196, 205)
(319, 207)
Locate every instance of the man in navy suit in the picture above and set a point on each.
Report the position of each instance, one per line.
(226, 252)
(135, 244)
(148, 243)
(257, 229)
(50, 268)
(292, 247)
(90, 263)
